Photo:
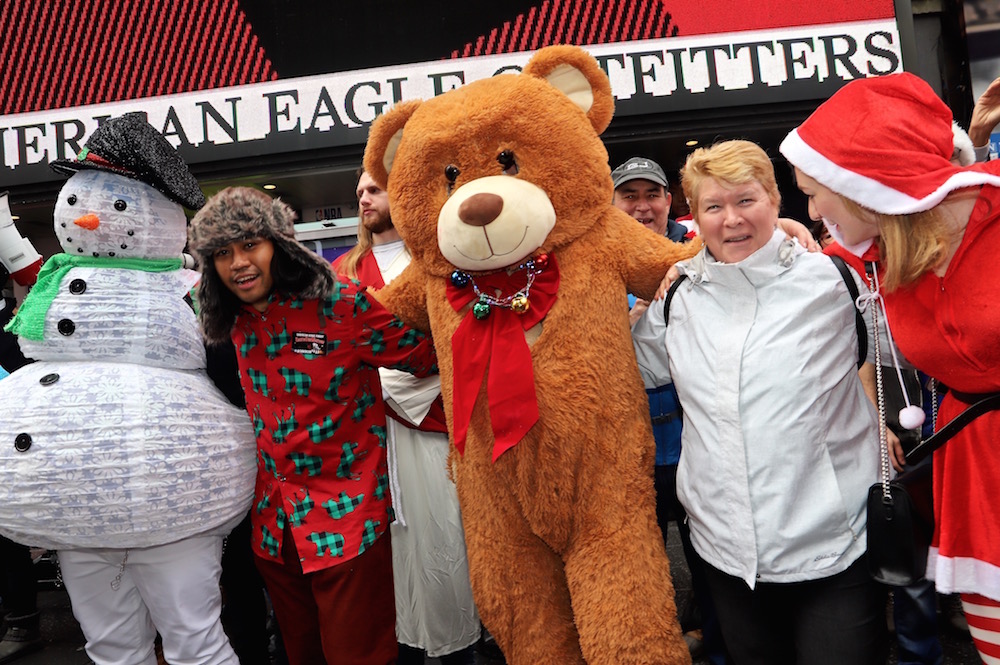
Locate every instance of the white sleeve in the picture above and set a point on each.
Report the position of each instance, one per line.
(866, 316)
(649, 338)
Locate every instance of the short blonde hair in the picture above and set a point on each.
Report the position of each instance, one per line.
(735, 162)
(909, 245)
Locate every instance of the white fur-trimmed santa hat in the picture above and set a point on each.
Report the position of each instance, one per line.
(885, 143)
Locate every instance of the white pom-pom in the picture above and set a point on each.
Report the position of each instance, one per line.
(911, 417)
(963, 152)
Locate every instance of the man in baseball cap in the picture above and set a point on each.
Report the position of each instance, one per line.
(641, 191)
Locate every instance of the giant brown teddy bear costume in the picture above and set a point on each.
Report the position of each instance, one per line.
(502, 191)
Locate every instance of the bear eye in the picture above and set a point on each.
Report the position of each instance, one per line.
(71, 200)
(508, 162)
(451, 172)
(120, 205)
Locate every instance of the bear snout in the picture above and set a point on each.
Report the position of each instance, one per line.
(480, 209)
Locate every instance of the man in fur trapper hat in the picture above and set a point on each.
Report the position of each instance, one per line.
(240, 213)
(308, 347)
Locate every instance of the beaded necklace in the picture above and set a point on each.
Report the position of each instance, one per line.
(518, 302)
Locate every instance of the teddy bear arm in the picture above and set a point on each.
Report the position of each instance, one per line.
(649, 257)
(406, 297)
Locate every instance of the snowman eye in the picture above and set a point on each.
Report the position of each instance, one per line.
(120, 205)
(71, 200)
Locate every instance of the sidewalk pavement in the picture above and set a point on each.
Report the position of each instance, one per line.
(64, 641)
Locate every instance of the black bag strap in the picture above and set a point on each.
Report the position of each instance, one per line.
(942, 436)
(669, 297)
(859, 320)
(665, 418)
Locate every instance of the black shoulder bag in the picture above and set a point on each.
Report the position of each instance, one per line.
(901, 511)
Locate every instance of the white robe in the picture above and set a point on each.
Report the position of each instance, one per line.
(434, 606)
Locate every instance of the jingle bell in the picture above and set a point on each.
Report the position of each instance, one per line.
(520, 304)
(481, 310)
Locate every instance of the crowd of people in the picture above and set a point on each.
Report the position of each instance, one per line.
(761, 383)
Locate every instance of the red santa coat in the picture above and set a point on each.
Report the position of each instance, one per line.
(949, 327)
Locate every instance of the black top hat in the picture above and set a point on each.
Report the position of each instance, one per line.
(130, 146)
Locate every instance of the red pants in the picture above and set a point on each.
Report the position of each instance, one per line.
(342, 615)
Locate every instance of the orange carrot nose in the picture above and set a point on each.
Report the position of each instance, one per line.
(89, 221)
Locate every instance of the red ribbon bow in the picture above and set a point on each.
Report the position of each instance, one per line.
(497, 345)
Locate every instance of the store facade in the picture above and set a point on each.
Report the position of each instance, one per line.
(282, 93)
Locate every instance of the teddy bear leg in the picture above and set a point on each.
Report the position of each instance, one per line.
(520, 588)
(624, 607)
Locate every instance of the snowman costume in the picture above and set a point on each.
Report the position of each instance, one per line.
(116, 449)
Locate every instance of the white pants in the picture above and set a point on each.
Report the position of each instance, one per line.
(173, 589)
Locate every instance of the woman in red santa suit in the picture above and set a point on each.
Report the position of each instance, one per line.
(874, 162)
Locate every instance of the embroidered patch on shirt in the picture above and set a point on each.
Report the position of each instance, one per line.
(313, 344)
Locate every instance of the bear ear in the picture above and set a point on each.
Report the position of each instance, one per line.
(383, 140)
(576, 74)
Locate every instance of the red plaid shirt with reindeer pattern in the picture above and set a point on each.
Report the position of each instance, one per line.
(308, 369)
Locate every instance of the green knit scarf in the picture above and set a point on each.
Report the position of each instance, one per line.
(30, 320)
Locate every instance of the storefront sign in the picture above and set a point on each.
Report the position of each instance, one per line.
(654, 76)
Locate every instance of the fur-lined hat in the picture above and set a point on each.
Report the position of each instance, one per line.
(233, 214)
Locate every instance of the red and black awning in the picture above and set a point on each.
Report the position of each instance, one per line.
(64, 53)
